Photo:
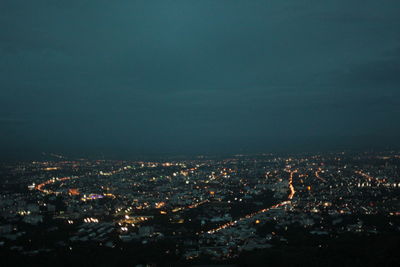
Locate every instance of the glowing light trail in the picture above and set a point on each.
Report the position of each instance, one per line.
(251, 215)
(291, 187)
(248, 216)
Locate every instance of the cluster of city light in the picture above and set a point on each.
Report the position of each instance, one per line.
(91, 197)
(159, 205)
(115, 171)
(40, 187)
(366, 184)
(132, 220)
(91, 220)
(119, 210)
(143, 206)
(96, 196)
(23, 212)
(72, 191)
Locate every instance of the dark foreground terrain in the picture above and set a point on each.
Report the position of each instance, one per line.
(348, 250)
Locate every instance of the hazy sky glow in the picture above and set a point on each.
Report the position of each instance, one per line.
(198, 76)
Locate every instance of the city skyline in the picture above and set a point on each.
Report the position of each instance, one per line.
(243, 210)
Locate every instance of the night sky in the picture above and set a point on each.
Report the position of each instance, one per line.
(201, 76)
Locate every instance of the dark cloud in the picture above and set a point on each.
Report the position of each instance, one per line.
(380, 72)
(196, 75)
(11, 121)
